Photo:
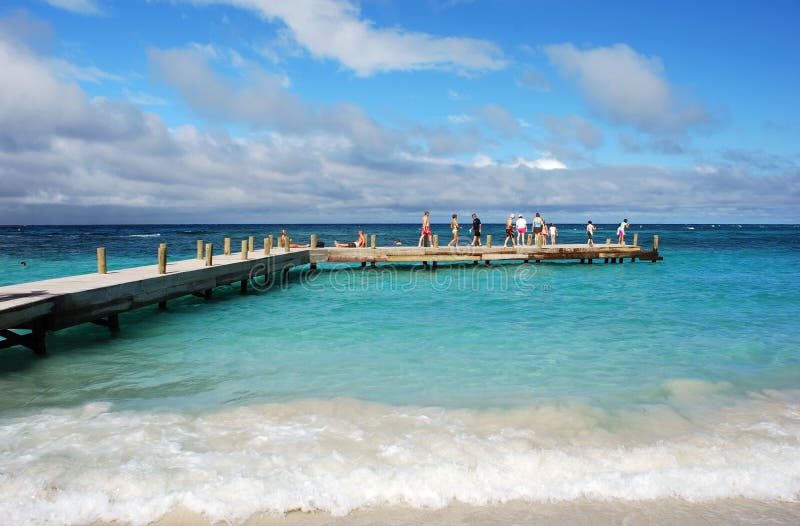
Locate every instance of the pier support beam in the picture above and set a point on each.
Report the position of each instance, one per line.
(243, 286)
(35, 340)
(162, 305)
(112, 322)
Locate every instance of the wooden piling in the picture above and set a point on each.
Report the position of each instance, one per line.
(287, 245)
(313, 243)
(271, 241)
(636, 239)
(608, 241)
(251, 247)
(243, 287)
(226, 248)
(530, 240)
(373, 240)
(489, 241)
(209, 254)
(267, 246)
(244, 249)
(655, 243)
(162, 258)
(436, 240)
(200, 246)
(101, 260)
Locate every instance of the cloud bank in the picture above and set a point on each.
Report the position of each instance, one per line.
(68, 157)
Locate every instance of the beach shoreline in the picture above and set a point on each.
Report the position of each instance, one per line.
(665, 512)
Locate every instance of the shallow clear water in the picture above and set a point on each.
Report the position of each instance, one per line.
(354, 387)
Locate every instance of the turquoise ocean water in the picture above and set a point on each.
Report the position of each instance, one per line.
(351, 388)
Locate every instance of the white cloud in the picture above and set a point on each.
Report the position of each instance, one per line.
(143, 99)
(544, 163)
(334, 29)
(459, 119)
(534, 80)
(91, 74)
(705, 169)
(573, 128)
(499, 119)
(262, 101)
(627, 87)
(82, 7)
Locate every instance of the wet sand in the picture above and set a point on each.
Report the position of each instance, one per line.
(667, 512)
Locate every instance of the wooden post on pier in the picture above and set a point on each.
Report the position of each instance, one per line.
(313, 243)
(251, 244)
(287, 244)
(655, 243)
(488, 240)
(271, 241)
(608, 241)
(530, 240)
(436, 240)
(162, 258)
(636, 239)
(373, 240)
(226, 247)
(267, 246)
(200, 246)
(244, 249)
(209, 254)
(101, 260)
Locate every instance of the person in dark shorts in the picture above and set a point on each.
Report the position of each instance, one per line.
(590, 232)
(510, 231)
(476, 231)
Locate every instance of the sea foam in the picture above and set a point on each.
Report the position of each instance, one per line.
(96, 463)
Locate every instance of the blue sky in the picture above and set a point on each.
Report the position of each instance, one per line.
(345, 111)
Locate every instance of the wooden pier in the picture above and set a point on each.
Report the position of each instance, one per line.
(29, 310)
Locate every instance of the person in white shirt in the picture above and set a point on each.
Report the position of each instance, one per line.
(553, 234)
(522, 227)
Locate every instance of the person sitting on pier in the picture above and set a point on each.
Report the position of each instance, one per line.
(285, 238)
(361, 242)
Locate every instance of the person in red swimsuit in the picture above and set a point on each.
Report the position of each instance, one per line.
(426, 230)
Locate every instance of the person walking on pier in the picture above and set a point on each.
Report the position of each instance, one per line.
(426, 230)
(476, 231)
(590, 232)
(522, 227)
(509, 231)
(454, 228)
(539, 229)
(553, 234)
(621, 231)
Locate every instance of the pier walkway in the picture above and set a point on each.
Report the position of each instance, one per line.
(29, 310)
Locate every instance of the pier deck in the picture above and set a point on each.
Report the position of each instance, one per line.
(37, 307)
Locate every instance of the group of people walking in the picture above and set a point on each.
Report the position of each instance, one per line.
(516, 231)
